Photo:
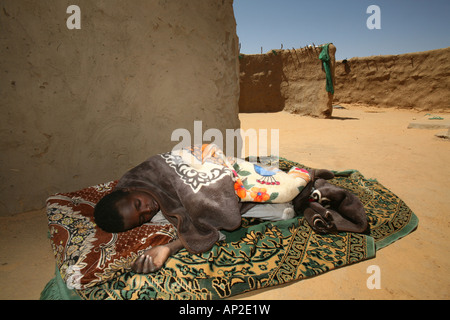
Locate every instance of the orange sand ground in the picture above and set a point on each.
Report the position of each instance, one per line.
(413, 163)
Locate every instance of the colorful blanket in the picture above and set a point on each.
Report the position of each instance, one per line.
(257, 255)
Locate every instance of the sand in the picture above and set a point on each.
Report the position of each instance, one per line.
(413, 163)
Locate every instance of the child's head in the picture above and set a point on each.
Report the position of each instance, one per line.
(125, 209)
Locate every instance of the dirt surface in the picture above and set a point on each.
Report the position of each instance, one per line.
(413, 163)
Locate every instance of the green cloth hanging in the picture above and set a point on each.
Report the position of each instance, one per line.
(325, 57)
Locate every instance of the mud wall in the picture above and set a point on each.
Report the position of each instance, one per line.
(291, 80)
(81, 106)
(418, 80)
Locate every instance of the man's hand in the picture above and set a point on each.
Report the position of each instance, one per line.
(154, 259)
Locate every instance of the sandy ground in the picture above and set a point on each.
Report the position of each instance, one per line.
(413, 163)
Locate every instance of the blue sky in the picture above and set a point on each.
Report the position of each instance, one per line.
(406, 25)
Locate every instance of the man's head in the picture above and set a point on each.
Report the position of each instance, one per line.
(125, 209)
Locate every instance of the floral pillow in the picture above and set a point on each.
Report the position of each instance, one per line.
(86, 255)
(258, 183)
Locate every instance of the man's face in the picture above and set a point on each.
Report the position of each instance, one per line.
(137, 208)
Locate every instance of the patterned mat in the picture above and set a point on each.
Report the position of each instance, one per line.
(263, 254)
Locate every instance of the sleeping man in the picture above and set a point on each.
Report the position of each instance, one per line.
(201, 191)
(125, 209)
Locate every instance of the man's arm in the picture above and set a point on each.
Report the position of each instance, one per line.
(154, 258)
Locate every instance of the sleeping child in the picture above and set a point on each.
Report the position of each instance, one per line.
(201, 191)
